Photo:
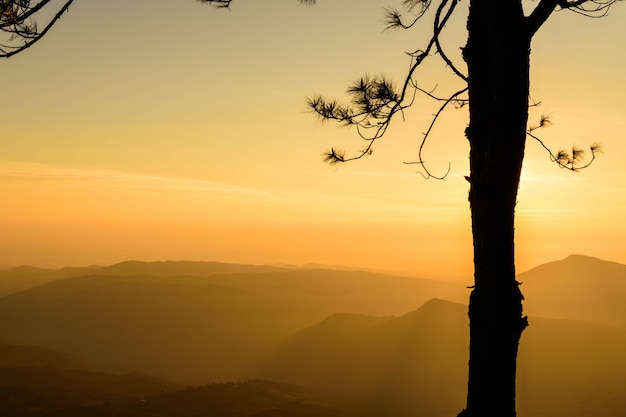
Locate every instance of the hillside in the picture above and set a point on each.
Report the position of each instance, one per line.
(250, 398)
(419, 362)
(42, 382)
(253, 398)
(579, 288)
(16, 356)
(395, 365)
(29, 391)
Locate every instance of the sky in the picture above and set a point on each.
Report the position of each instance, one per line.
(161, 130)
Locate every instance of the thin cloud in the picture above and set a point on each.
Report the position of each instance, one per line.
(42, 172)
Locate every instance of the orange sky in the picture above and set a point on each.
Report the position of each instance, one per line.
(158, 130)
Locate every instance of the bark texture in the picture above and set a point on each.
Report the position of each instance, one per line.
(498, 58)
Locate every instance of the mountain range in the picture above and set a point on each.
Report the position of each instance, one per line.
(384, 344)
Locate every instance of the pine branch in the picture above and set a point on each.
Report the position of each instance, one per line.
(573, 160)
(375, 100)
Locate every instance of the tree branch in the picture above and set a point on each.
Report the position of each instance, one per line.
(445, 58)
(420, 161)
(31, 37)
(590, 8)
(539, 15)
(375, 101)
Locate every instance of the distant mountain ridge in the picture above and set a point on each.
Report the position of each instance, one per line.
(199, 328)
(24, 277)
(14, 279)
(186, 268)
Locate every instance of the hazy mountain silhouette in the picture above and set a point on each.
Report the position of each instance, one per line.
(418, 362)
(182, 268)
(196, 328)
(24, 277)
(14, 279)
(346, 332)
(577, 287)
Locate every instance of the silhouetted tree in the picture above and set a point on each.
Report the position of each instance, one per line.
(496, 90)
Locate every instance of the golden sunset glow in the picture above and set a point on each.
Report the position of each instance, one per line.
(157, 130)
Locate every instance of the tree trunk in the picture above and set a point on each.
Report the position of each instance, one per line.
(497, 55)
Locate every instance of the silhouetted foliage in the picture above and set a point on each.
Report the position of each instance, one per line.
(573, 161)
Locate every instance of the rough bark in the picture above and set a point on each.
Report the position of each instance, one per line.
(497, 55)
